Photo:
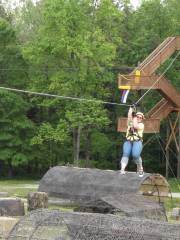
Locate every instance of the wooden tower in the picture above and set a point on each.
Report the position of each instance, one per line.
(145, 77)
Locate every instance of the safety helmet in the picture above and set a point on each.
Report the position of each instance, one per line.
(141, 114)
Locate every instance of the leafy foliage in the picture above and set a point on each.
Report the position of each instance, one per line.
(15, 128)
(75, 48)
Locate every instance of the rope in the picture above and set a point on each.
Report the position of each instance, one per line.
(128, 79)
(159, 78)
(63, 97)
(59, 68)
(148, 141)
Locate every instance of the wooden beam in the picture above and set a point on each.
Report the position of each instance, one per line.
(178, 43)
(173, 133)
(167, 152)
(178, 163)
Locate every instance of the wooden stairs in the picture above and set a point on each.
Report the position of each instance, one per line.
(146, 78)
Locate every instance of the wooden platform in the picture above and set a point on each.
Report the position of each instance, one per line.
(150, 125)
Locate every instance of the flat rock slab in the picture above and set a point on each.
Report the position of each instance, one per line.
(11, 207)
(130, 205)
(136, 205)
(6, 225)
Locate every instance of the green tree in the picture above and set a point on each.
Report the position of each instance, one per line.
(15, 126)
(74, 49)
(51, 136)
(149, 27)
(172, 7)
(16, 131)
(12, 64)
(83, 118)
(4, 13)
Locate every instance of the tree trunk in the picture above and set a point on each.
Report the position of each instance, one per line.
(87, 150)
(76, 143)
(178, 163)
(10, 169)
(167, 151)
(37, 200)
(50, 155)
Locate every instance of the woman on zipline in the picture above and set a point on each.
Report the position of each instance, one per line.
(133, 144)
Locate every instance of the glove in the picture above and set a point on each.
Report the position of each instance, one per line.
(133, 114)
(133, 110)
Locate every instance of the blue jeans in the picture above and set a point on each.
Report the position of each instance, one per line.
(133, 149)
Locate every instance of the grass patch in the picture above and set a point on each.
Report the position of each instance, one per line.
(174, 185)
(18, 188)
(169, 204)
(61, 208)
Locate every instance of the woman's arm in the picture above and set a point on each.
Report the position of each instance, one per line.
(136, 125)
(130, 118)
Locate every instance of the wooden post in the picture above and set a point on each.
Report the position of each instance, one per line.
(167, 152)
(37, 200)
(178, 163)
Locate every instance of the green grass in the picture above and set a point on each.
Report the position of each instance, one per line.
(174, 185)
(61, 208)
(169, 205)
(18, 188)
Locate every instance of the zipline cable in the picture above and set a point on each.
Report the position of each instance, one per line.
(53, 70)
(63, 97)
(159, 78)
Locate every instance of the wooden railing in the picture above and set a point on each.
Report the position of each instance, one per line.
(151, 125)
(166, 89)
(158, 56)
(154, 53)
(161, 110)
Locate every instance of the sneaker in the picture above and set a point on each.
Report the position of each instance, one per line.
(122, 172)
(141, 173)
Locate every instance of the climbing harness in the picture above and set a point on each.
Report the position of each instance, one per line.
(133, 134)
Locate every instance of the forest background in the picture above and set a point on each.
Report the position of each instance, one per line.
(77, 48)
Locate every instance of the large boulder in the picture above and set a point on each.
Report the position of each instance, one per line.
(92, 184)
